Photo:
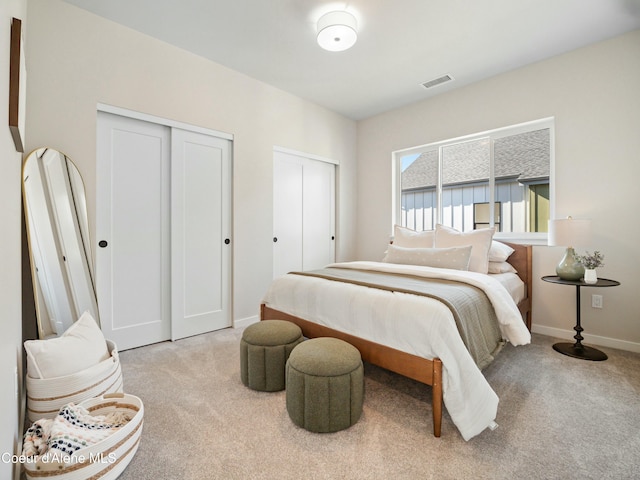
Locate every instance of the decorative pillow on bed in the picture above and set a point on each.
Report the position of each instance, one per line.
(480, 240)
(501, 267)
(81, 346)
(499, 252)
(405, 237)
(456, 258)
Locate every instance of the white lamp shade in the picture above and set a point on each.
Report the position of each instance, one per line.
(337, 31)
(569, 232)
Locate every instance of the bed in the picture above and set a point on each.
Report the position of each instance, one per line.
(455, 378)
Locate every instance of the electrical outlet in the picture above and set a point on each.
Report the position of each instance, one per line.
(596, 301)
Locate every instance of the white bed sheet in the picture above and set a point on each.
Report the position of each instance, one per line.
(514, 285)
(414, 324)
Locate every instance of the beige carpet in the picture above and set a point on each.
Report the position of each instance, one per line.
(558, 417)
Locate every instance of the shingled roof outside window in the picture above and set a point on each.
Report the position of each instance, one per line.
(523, 157)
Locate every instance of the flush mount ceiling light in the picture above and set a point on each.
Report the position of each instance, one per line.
(337, 31)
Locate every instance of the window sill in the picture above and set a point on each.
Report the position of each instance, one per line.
(523, 238)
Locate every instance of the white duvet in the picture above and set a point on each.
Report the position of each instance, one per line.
(414, 324)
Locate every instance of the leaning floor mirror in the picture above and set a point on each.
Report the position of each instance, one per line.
(59, 245)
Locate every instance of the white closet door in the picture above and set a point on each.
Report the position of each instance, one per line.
(318, 203)
(287, 215)
(304, 213)
(200, 233)
(133, 230)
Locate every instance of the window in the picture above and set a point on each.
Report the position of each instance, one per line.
(482, 215)
(499, 178)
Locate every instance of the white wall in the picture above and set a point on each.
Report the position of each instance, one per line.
(594, 96)
(10, 266)
(78, 60)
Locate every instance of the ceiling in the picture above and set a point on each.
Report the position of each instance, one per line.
(401, 43)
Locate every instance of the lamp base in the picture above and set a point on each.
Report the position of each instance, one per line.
(580, 351)
(569, 268)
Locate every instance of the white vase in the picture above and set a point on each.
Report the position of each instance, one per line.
(590, 276)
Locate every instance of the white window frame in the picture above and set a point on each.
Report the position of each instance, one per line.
(533, 238)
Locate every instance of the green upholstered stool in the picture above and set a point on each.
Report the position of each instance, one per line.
(325, 385)
(264, 350)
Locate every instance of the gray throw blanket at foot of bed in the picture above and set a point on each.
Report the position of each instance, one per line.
(474, 315)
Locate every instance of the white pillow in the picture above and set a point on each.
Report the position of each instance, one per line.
(480, 241)
(80, 347)
(405, 237)
(456, 258)
(499, 252)
(501, 267)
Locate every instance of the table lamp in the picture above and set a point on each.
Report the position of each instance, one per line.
(569, 232)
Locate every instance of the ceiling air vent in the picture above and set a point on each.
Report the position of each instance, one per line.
(437, 81)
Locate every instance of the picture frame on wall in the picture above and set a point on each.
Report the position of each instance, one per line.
(17, 86)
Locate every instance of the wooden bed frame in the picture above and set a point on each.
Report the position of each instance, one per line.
(427, 371)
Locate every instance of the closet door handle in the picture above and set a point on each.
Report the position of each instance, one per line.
(102, 243)
(227, 241)
(275, 239)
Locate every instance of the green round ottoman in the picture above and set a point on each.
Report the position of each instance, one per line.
(264, 349)
(325, 385)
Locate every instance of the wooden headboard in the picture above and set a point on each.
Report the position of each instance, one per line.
(521, 260)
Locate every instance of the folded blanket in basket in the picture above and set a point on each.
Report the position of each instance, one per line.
(72, 429)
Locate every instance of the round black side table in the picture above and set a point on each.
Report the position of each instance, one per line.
(578, 350)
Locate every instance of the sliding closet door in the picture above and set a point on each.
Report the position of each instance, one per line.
(304, 213)
(318, 203)
(287, 214)
(164, 231)
(133, 230)
(200, 233)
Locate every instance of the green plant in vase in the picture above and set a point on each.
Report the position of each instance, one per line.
(591, 261)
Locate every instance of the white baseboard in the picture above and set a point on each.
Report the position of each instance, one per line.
(245, 322)
(588, 339)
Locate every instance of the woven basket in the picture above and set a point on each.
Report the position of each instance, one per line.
(45, 396)
(104, 460)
